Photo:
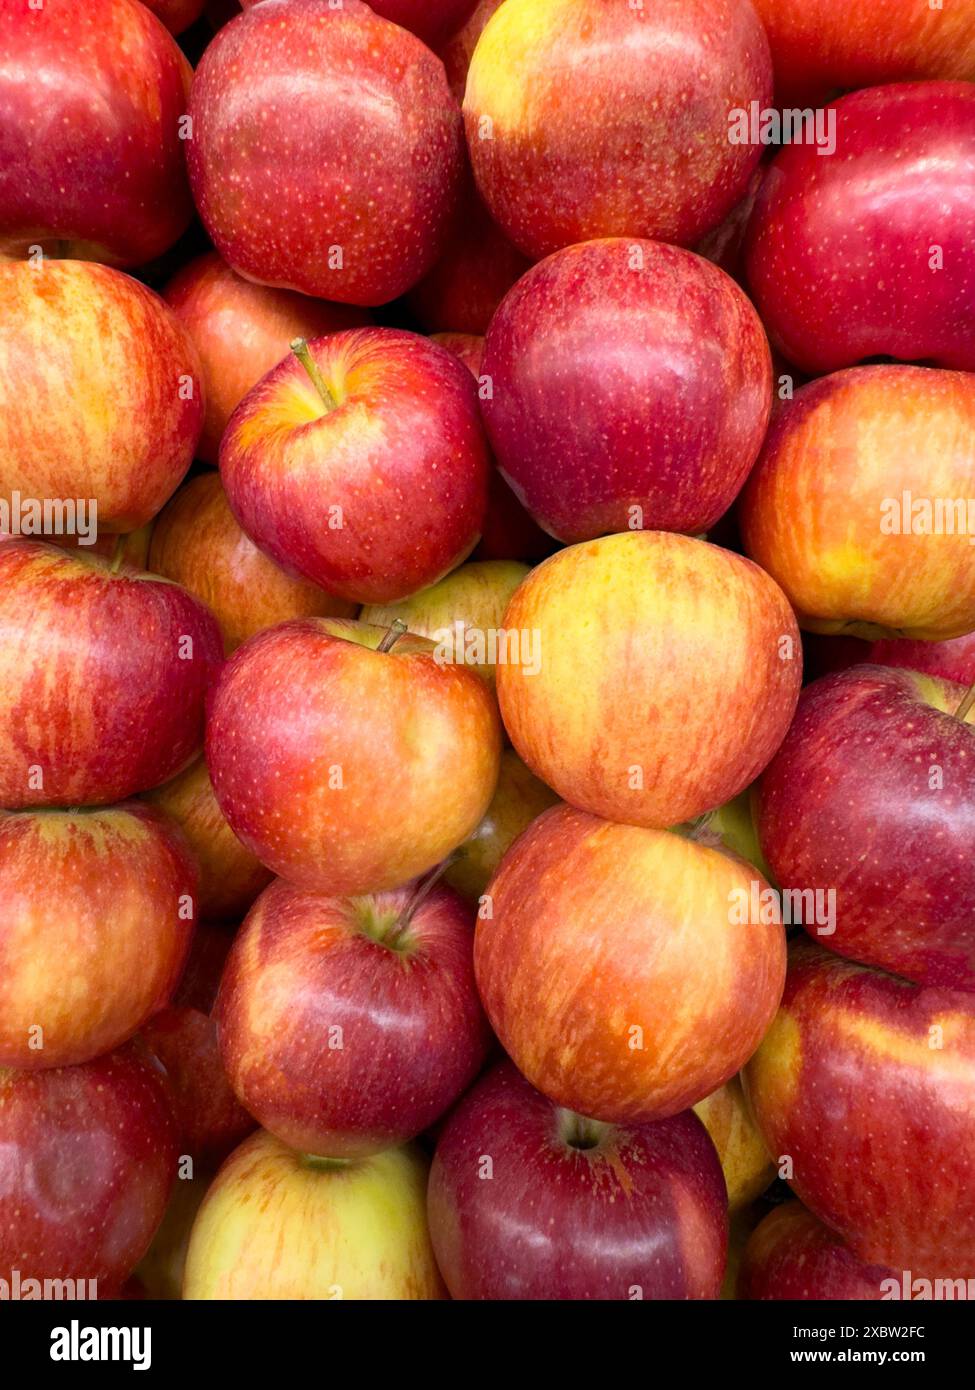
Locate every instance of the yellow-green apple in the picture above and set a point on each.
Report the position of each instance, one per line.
(160, 1271)
(530, 1201)
(792, 1255)
(884, 822)
(361, 464)
(865, 1083)
(349, 1025)
(745, 1161)
(347, 757)
(73, 337)
(230, 875)
(91, 147)
(104, 674)
(953, 660)
(613, 119)
(868, 255)
(623, 969)
(87, 1159)
(631, 385)
(667, 675)
(859, 504)
(177, 15)
(457, 51)
(518, 799)
(95, 923)
(276, 87)
(197, 542)
(241, 330)
(276, 1224)
(733, 825)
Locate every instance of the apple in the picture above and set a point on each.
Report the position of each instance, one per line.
(528, 1201)
(620, 968)
(953, 660)
(612, 120)
(241, 330)
(733, 826)
(197, 542)
(854, 504)
(456, 51)
(91, 144)
(160, 1271)
(103, 676)
(360, 464)
(431, 20)
(868, 254)
(347, 757)
(667, 675)
(748, 1169)
(73, 336)
(87, 1160)
(866, 1083)
(884, 822)
(276, 87)
(129, 551)
(792, 1255)
(631, 386)
(177, 15)
(276, 1224)
(518, 799)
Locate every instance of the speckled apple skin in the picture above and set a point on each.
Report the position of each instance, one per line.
(644, 1209)
(103, 678)
(868, 1084)
(317, 128)
(792, 1255)
(840, 247)
(812, 508)
(847, 804)
(87, 1159)
(626, 374)
(609, 120)
(953, 660)
(377, 498)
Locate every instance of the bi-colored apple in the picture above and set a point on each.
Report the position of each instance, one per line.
(792, 1255)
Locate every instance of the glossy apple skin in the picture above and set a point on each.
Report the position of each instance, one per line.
(869, 825)
(113, 669)
(344, 769)
(197, 542)
(111, 339)
(812, 510)
(87, 1160)
(792, 1255)
(639, 1213)
(402, 457)
(456, 51)
(518, 799)
(839, 249)
(177, 15)
(617, 388)
(91, 160)
(627, 729)
(277, 1225)
(745, 1161)
(277, 86)
(606, 953)
(241, 330)
(952, 661)
(879, 1120)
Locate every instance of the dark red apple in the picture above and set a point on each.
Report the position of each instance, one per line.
(792, 1255)
(953, 660)
(431, 20)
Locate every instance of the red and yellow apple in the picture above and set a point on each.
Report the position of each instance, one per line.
(791, 1255)
(748, 1169)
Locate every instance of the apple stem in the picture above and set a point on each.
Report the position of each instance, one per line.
(423, 890)
(299, 347)
(118, 555)
(964, 708)
(396, 630)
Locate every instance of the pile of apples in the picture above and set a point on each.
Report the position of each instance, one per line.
(423, 869)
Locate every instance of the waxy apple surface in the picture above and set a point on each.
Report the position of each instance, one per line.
(792, 1255)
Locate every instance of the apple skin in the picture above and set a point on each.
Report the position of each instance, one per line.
(952, 661)
(839, 249)
(87, 1160)
(91, 159)
(812, 510)
(344, 769)
(518, 799)
(683, 630)
(177, 15)
(617, 389)
(343, 1032)
(606, 952)
(431, 20)
(197, 543)
(792, 1255)
(573, 1210)
(113, 668)
(869, 826)
(111, 339)
(277, 1225)
(325, 492)
(878, 1120)
(748, 1169)
(611, 121)
(160, 1271)
(457, 51)
(283, 82)
(131, 549)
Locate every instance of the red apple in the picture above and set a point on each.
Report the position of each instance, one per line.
(432, 20)
(103, 677)
(348, 758)
(177, 15)
(869, 253)
(364, 471)
(792, 1255)
(952, 661)
(631, 386)
(611, 120)
(91, 142)
(283, 83)
(527, 1201)
(457, 51)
